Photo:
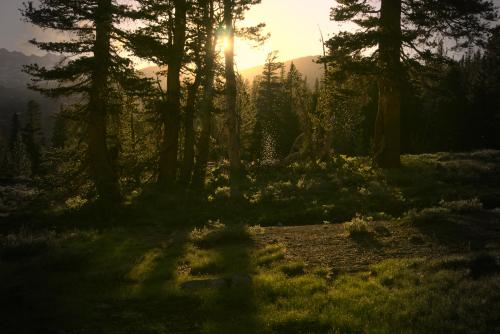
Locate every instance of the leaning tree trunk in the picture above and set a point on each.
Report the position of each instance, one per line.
(171, 116)
(387, 146)
(236, 170)
(203, 144)
(98, 155)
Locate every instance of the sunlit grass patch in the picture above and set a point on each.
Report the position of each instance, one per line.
(270, 254)
(143, 268)
(406, 295)
(203, 262)
(292, 269)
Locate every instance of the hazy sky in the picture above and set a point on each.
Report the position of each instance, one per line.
(293, 24)
(294, 27)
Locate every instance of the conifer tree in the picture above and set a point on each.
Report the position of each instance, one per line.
(206, 105)
(236, 168)
(93, 70)
(233, 11)
(18, 163)
(395, 35)
(33, 136)
(269, 96)
(59, 130)
(162, 41)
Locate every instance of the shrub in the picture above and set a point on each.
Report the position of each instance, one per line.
(357, 226)
(427, 215)
(218, 234)
(463, 206)
(25, 244)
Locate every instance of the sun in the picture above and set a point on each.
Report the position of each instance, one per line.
(226, 43)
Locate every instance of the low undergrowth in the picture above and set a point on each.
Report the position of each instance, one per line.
(135, 273)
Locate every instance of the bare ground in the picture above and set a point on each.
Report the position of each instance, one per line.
(330, 246)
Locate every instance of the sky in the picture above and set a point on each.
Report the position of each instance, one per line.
(293, 24)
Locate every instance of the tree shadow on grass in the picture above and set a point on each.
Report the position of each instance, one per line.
(149, 300)
(121, 282)
(461, 232)
(367, 241)
(228, 299)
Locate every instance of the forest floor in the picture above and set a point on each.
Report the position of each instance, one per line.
(329, 248)
(329, 245)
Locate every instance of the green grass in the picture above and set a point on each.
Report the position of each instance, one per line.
(124, 273)
(125, 282)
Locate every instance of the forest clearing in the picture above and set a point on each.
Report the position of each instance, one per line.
(249, 166)
(148, 271)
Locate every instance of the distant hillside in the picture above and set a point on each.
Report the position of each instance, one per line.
(14, 94)
(305, 65)
(151, 72)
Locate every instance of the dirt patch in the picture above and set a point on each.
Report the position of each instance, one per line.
(329, 245)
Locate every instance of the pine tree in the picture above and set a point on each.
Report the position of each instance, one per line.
(207, 104)
(33, 136)
(59, 130)
(94, 70)
(269, 96)
(162, 41)
(233, 11)
(18, 163)
(232, 126)
(396, 35)
(296, 113)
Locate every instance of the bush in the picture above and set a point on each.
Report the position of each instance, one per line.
(218, 234)
(463, 206)
(358, 225)
(25, 244)
(427, 215)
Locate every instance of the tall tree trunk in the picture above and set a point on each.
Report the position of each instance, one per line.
(387, 146)
(236, 170)
(188, 158)
(98, 155)
(203, 145)
(171, 116)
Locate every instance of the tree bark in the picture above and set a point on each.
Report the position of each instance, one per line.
(98, 155)
(236, 170)
(171, 114)
(203, 145)
(188, 158)
(387, 147)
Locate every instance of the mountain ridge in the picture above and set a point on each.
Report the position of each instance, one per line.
(305, 65)
(14, 93)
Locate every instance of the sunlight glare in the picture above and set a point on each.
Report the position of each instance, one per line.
(226, 44)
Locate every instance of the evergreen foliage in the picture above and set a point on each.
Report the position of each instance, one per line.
(395, 39)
